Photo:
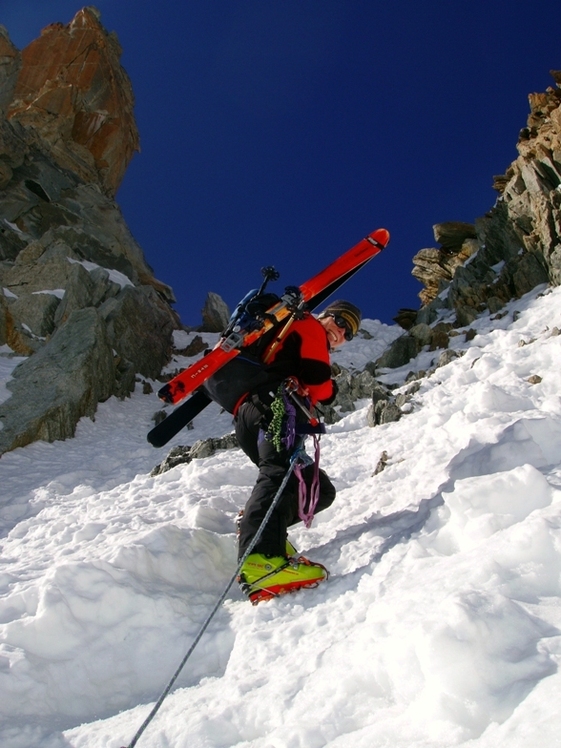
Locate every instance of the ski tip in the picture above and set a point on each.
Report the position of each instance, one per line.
(380, 237)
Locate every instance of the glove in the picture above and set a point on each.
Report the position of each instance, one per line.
(293, 385)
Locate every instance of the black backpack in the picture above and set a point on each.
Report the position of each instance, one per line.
(247, 371)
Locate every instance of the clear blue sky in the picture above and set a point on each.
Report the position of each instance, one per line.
(282, 131)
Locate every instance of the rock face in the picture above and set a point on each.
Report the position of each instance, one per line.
(516, 245)
(76, 295)
(435, 268)
(10, 63)
(75, 96)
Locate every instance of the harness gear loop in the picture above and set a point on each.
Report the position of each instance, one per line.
(307, 502)
(282, 428)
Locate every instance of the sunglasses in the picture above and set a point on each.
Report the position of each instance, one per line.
(342, 324)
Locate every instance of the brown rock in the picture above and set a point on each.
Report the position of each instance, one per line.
(432, 266)
(452, 234)
(74, 94)
(406, 318)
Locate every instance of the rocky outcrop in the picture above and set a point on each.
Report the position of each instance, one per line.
(59, 384)
(515, 247)
(76, 294)
(435, 268)
(76, 99)
(181, 455)
(530, 195)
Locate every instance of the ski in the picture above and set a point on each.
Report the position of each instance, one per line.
(178, 419)
(228, 348)
(313, 292)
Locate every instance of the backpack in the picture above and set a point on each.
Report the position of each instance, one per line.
(247, 371)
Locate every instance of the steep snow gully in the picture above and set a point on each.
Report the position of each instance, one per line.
(440, 624)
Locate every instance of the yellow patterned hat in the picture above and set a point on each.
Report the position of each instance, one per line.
(349, 312)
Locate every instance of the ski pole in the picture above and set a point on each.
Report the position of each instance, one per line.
(297, 455)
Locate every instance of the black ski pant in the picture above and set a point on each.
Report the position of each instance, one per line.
(272, 466)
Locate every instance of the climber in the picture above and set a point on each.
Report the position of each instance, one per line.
(302, 360)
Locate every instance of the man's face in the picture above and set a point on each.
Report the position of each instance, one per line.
(335, 334)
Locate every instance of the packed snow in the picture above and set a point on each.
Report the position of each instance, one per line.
(440, 623)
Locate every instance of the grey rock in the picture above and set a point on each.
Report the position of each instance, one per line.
(103, 287)
(344, 398)
(383, 406)
(78, 291)
(13, 145)
(380, 392)
(446, 357)
(140, 326)
(399, 353)
(6, 174)
(495, 304)
(465, 315)
(203, 448)
(429, 313)
(522, 232)
(195, 347)
(10, 63)
(440, 336)
(361, 385)
(178, 455)
(56, 226)
(11, 242)
(401, 399)
(61, 383)
(382, 463)
(382, 412)
(422, 334)
(388, 413)
(352, 387)
(215, 313)
(531, 271)
(37, 312)
(3, 320)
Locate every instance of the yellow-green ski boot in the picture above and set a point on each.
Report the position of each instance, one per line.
(263, 578)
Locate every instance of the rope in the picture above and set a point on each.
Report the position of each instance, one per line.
(307, 502)
(293, 461)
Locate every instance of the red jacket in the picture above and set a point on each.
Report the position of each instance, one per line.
(304, 354)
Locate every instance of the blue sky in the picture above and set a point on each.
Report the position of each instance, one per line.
(282, 131)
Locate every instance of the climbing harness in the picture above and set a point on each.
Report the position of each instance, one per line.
(299, 454)
(284, 430)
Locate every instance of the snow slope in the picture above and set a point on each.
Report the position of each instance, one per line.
(440, 624)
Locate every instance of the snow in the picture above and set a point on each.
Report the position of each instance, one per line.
(440, 623)
(58, 292)
(114, 275)
(8, 362)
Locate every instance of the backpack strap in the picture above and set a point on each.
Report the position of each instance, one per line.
(283, 332)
